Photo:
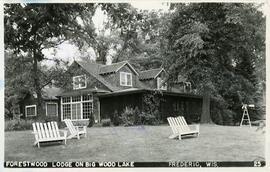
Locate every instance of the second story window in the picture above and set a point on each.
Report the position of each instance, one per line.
(79, 82)
(187, 86)
(125, 79)
(160, 84)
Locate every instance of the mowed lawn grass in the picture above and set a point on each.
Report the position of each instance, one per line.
(142, 143)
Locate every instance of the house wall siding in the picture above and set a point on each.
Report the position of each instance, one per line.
(152, 83)
(177, 87)
(114, 78)
(76, 70)
(190, 108)
(110, 105)
(30, 100)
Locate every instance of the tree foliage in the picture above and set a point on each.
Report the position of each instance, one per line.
(30, 28)
(217, 47)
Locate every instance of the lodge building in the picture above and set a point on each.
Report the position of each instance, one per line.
(102, 90)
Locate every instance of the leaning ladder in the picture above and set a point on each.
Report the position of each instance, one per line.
(245, 117)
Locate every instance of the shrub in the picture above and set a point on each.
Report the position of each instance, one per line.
(61, 124)
(148, 119)
(216, 112)
(26, 124)
(8, 115)
(97, 124)
(116, 120)
(137, 119)
(128, 117)
(262, 126)
(80, 123)
(91, 120)
(49, 119)
(227, 117)
(14, 125)
(106, 122)
(152, 102)
(132, 117)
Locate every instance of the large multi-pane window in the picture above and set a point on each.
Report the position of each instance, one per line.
(77, 107)
(87, 109)
(76, 111)
(66, 111)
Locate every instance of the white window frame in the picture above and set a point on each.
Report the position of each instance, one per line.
(125, 74)
(79, 85)
(53, 104)
(30, 106)
(81, 104)
(160, 85)
(186, 86)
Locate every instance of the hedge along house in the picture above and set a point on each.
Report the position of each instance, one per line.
(50, 106)
(105, 89)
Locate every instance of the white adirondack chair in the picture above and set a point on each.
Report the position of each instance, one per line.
(75, 131)
(48, 132)
(180, 127)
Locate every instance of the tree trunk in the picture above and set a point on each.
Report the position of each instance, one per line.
(37, 84)
(206, 118)
(101, 53)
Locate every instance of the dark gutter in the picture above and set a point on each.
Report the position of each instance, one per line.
(121, 93)
(182, 94)
(79, 92)
(148, 90)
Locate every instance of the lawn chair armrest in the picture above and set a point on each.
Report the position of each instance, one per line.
(64, 132)
(194, 127)
(80, 127)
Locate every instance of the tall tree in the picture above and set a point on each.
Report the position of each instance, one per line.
(17, 84)
(118, 32)
(30, 28)
(215, 45)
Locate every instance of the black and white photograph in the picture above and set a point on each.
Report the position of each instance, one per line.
(134, 84)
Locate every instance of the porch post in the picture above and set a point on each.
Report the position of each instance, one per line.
(96, 107)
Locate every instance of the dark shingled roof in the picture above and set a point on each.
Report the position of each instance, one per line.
(149, 74)
(97, 71)
(111, 68)
(93, 69)
(49, 93)
(114, 67)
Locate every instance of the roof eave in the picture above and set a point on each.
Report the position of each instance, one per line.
(129, 66)
(162, 69)
(111, 89)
